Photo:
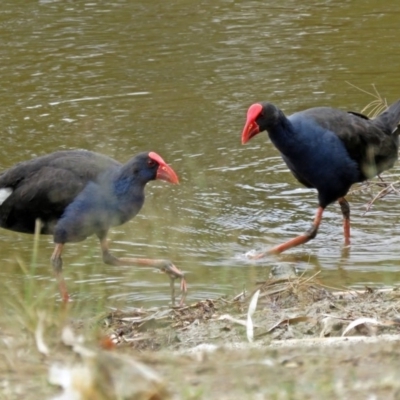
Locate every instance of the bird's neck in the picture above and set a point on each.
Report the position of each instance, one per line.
(128, 198)
(282, 134)
(128, 188)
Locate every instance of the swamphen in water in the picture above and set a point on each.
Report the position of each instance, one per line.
(75, 194)
(329, 150)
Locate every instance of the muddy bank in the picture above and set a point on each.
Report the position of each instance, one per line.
(300, 340)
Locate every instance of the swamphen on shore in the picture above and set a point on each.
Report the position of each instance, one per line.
(329, 150)
(75, 194)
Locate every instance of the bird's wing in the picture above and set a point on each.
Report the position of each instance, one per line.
(358, 114)
(43, 187)
(365, 142)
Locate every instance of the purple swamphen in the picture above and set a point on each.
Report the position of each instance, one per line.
(329, 150)
(74, 194)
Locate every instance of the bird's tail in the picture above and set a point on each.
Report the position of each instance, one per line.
(389, 120)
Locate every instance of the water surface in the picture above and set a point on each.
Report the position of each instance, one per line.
(177, 78)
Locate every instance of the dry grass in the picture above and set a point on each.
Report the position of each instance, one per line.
(372, 110)
(376, 106)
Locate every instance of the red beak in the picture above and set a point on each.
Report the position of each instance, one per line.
(251, 128)
(164, 171)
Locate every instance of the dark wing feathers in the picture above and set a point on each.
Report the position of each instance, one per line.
(369, 142)
(358, 114)
(43, 187)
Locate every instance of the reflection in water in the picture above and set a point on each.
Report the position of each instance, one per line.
(177, 79)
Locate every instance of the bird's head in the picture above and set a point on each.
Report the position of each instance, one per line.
(149, 166)
(260, 116)
(164, 171)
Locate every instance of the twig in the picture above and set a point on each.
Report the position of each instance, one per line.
(385, 191)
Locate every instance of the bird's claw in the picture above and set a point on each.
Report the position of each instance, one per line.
(253, 255)
(171, 270)
(183, 285)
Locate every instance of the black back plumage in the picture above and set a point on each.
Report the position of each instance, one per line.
(372, 143)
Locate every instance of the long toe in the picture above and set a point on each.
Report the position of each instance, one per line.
(169, 268)
(183, 285)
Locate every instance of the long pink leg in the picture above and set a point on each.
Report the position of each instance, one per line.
(344, 206)
(301, 239)
(163, 265)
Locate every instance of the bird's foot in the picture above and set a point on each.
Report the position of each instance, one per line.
(254, 255)
(173, 272)
(170, 269)
(163, 265)
(251, 254)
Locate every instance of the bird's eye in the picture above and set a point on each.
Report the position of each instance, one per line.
(151, 163)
